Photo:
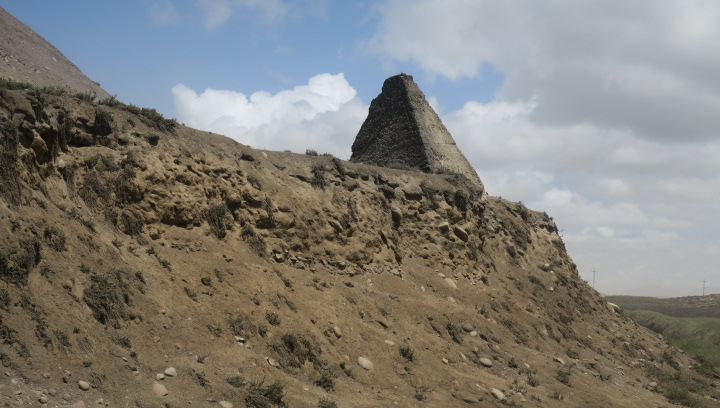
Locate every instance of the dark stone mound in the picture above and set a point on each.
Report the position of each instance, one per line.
(402, 130)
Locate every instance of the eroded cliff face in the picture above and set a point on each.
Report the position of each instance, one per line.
(131, 244)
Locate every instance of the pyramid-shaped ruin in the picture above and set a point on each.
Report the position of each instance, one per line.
(403, 130)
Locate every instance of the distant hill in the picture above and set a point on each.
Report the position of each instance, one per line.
(689, 306)
(27, 57)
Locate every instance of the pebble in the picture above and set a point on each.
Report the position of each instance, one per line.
(337, 331)
(171, 372)
(225, 404)
(365, 363)
(445, 361)
(559, 360)
(84, 385)
(160, 390)
(389, 342)
(486, 362)
(473, 333)
(160, 376)
(444, 226)
(272, 362)
(467, 327)
(498, 394)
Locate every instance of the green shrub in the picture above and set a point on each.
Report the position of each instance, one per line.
(318, 180)
(103, 124)
(256, 242)
(107, 298)
(326, 403)
(241, 325)
(311, 152)
(272, 318)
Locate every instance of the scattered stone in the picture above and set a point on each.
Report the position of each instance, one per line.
(445, 361)
(171, 372)
(613, 307)
(272, 362)
(84, 385)
(559, 360)
(652, 384)
(473, 333)
(160, 390)
(466, 397)
(389, 342)
(52, 392)
(467, 327)
(461, 233)
(365, 363)
(160, 376)
(42, 399)
(498, 394)
(337, 331)
(486, 362)
(444, 226)
(451, 283)
(225, 404)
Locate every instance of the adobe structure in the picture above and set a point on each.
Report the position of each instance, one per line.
(402, 129)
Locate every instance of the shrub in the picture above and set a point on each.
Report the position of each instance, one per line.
(241, 325)
(326, 403)
(272, 318)
(260, 396)
(294, 350)
(236, 381)
(16, 266)
(318, 180)
(55, 238)
(407, 353)
(256, 242)
(216, 216)
(563, 376)
(106, 298)
(326, 380)
(103, 124)
(311, 152)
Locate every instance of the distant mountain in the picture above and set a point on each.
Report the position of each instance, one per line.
(26, 57)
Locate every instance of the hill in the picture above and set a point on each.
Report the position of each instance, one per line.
(135, 244)
(688, 306)
(147, 264)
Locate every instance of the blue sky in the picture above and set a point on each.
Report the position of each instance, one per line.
(601, 112)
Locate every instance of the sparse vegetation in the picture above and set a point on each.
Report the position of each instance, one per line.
(107, 297)
(261, 396)
(256, 242)
(236, 381)
(216, 218)
(407, 353)
(272, 318)
(318, 170)
(311, 152)
(326, 403)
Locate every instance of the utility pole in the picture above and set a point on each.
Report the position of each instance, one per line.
(703, 287)
(594, 281)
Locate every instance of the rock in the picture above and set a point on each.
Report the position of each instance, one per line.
(473, 333)
(559, 360)
(466, 327)
(461, 233)
(445, 361)
(52, 392)
(613, 307)
(486, 362)
(403, 129)
(160, 390)
(389, 342)
(272, 362)
(337, 331)
(225, 404)
(466, 397)
(652, 384)
(365, 363)
(171, 372)
(444, 226)
(160, 376)
(451, 283)
(497, 394)
(396, 216)
(84, 385)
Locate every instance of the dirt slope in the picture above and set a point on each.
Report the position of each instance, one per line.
(131, 245)
(27, 57)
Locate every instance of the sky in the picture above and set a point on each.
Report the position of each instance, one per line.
(603, 113)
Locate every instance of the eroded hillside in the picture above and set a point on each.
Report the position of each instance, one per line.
(132, 244)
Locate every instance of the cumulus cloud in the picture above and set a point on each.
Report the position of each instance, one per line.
(324, 115)
(642, 66)
(636, 210)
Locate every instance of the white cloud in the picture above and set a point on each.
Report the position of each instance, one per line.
(636, 210)
(324, 115)
(642, 66)
(218, 12)
(163, 12)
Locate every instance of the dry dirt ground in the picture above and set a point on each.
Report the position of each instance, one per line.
(131, 244)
